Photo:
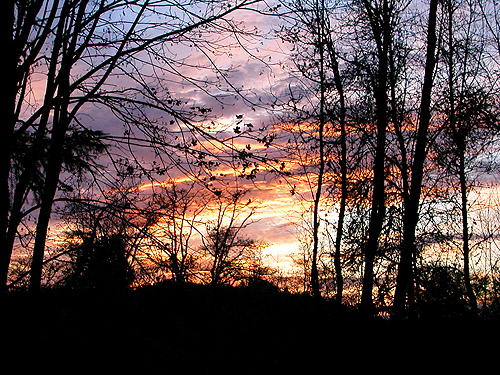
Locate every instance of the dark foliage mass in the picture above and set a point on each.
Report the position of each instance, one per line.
(100, 266)
(198, 329)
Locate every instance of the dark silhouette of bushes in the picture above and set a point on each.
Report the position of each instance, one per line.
(442, 293)
(193, 328)
(100, 264)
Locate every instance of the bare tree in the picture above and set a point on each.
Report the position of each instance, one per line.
(314, 101)
(228, 251)
(170, 241)
(379, 22)
(410, 219)
(467, 100)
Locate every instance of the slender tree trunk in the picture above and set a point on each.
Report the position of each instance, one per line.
(343, 175)
(377, 213)
(465, 233)
(381, 30)
(404, 287)
(53, 171)
(343, 197)
(23, 185)
(317, 199)
(61, 122)
(7, 106)
(35, 152)
(340, 221)
(459, 137)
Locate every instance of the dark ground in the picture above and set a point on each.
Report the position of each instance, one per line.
(202, 330)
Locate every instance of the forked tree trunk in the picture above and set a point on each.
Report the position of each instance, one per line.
(61, 121)
(404, 287)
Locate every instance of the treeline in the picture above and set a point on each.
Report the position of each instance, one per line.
(176, 234)
(384, 125)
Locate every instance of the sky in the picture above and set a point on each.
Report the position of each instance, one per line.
(255, 71)
(254, 74)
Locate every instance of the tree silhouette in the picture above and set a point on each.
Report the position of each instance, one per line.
(229, 252)
(177, 211)
(404, 287)
(467, 103)
(100, 264)
(383, 121)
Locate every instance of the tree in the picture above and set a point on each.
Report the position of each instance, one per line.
(100, 264)
(404, 286)
(379, 20)
(321, 18)
(467, 102)
(223, 243)
(321, 105)
(177, 211)
(343, 171)
(98, 244)
(443, 292)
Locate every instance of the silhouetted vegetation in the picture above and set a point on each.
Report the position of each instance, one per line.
(101, 264)
(131, 182)
(191, 328)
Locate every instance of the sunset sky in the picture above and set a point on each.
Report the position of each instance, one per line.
(258, 73)
(256, 76)
(246, 81)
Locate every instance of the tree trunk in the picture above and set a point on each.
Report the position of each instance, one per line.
(35, 152)
(381, 30)
(376, 216)
(8, 110)
(460, 138)
(61, 121)
(317, 199)
(465, 234)
(404, 287)
(343, 172)
(53, 171)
